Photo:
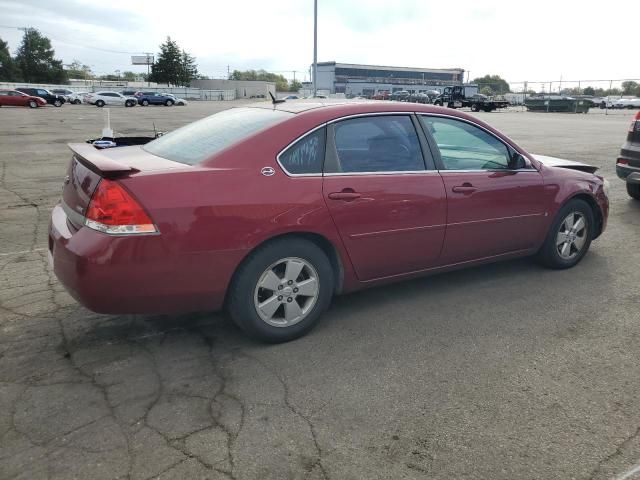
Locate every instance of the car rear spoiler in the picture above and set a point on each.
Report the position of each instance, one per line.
(98, 162)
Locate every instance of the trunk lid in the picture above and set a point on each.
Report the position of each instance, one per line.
(89, 165)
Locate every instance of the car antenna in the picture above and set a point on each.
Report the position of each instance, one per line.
(275, 100)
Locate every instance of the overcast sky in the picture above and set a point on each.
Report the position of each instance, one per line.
(535, 41)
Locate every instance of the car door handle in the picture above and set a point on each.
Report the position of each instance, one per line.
(346, 195)
(464, 188)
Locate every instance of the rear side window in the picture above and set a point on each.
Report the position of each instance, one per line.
(202, 139)
(386, 143)
(306, 155)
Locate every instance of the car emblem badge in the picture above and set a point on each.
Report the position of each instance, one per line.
(268, 172)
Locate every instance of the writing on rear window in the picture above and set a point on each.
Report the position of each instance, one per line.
(306, 155)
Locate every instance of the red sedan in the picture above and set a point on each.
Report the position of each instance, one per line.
(12, 98)
(270, 210)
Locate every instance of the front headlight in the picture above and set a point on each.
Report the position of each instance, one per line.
(606, 186)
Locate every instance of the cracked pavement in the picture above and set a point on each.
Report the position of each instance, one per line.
(507, 371)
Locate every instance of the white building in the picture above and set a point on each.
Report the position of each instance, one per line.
(368, 80)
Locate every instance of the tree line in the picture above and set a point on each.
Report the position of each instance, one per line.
(35, 62)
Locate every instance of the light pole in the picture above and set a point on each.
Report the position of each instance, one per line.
(315, 47)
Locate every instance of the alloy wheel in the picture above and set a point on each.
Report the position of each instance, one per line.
(572, 235)
(286, 292)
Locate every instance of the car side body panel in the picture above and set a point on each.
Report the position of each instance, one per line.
(213, 215)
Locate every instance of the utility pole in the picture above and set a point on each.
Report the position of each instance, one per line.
(228, 73)
(148, 54)
(315, 47)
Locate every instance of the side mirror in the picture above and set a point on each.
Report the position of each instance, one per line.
(517, 162)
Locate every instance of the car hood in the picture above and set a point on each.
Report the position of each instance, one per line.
(562, 163)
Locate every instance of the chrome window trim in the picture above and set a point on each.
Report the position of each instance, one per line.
(493, 170)
(412, 172)
(394, 172)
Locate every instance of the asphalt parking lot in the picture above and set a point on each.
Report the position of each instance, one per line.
(507, 371)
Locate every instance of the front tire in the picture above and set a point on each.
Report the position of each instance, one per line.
(281, 289)
(129, 103)
(77, 102)
(569, 237)
(57, 103)
(633, 189)
(169, 103)
(33, 104)
(144, 103)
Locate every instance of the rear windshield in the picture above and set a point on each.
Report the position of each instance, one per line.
(202, 139)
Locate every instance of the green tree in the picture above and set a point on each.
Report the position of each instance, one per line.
(9, 71)
(282, 84)
(188, 70)
(173, 66)
(35, 58)
(630, 88)
(495, 83)
(589, 91)
(129, 76)
(77, 70)
(295, 86)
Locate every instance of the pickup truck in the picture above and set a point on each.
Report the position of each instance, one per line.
(456, 97)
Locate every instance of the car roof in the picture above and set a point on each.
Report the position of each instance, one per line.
(334, 108)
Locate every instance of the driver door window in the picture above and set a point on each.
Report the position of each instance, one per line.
(463, 146)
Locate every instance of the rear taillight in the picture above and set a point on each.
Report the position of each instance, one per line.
(635, 124)
(622, 161)
(113, 210)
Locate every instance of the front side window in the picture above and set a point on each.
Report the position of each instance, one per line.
(42, 92)
(306, 155)
(387, 143)
(464, 146)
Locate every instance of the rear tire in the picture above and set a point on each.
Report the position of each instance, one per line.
(569, 237)
(265, 298)
(77, 102)
(57, 103)
(33, 104)
(129, 103)
(100, 103)
(144, 103)
(474, 107)
(633, 189)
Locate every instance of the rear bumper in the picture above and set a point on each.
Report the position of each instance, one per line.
(136, 274)
(631, 153)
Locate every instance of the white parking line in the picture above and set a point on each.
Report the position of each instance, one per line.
(22, 252)
(630, 474)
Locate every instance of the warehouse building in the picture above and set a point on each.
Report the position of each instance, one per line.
(243, 88)
(367, 80)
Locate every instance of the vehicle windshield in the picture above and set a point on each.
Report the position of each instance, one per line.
(200, 140)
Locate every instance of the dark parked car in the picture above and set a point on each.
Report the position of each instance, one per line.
(628, 164)
(155, 98)
(50, 98)
(13, 98)
(271, 210)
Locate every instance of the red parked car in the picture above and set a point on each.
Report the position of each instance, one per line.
(13, 98)
(270, 210)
